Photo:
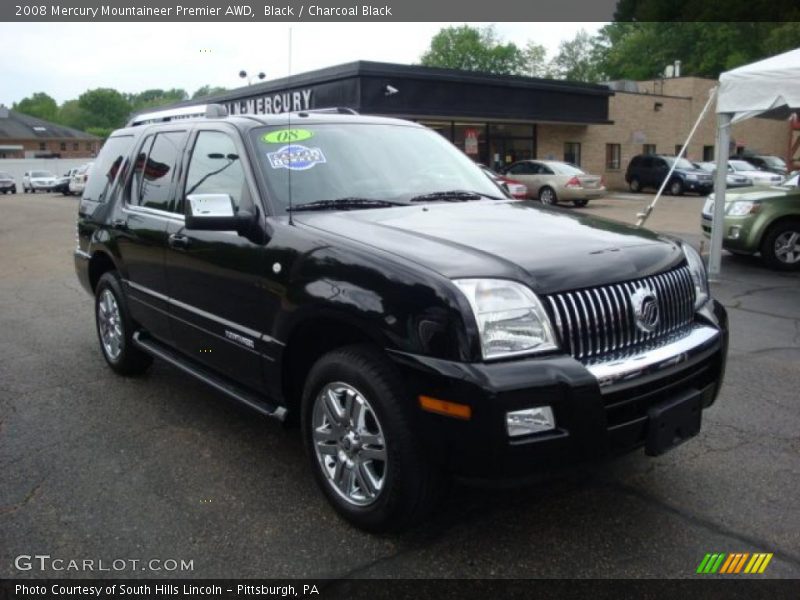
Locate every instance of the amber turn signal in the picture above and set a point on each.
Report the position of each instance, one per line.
(443, 407)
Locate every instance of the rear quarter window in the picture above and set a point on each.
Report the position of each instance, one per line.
(109, 168)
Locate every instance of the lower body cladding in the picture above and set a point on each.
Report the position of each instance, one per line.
(652, 398)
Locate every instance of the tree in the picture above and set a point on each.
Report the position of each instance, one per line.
(106, 107)
(472, 49)
(155, 97)
(536, 64)
(38, 105)
(577, 60)
(72, 115)
(208, 90)
(643, 50)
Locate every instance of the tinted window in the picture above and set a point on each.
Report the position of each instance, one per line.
(154, 171)
(108, 168)
(523, 169)
(215, 167)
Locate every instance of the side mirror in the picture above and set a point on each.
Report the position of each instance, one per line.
(216, 212)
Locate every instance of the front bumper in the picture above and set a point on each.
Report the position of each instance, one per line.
(600, 410)
(699, 187)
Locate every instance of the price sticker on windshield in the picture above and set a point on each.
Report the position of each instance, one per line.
(295, 157)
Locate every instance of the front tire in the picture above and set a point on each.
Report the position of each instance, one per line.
(781, 246)
(115, 328)
(363, 451)
(547, 195)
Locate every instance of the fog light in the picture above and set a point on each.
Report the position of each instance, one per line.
(530, 420)
(733, 232)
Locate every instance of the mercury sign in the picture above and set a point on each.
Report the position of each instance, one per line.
(271, 104)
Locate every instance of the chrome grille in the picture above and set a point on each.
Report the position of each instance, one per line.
(598, 322)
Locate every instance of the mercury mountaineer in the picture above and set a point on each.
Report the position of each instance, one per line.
(361, 278)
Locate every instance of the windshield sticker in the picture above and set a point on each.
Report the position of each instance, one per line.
(295, 157)
(286, 136)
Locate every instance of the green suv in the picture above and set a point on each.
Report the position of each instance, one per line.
(765, 220)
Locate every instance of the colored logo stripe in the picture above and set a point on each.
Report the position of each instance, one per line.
(734, 563)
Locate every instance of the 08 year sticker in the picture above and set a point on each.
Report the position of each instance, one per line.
(295, 157)
(287, 136)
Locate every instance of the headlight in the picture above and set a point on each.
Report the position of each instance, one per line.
(511, 319)
(698, 270)
(740, 209)
(691, 177)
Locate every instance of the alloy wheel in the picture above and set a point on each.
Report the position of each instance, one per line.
(109, 321)
(349, 444)
(787, 247)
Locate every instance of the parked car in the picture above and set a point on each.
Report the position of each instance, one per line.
(759, 177)
(650, 170)
(62, 183)
(552, 181)
(35, 181)
(761, 220)
(362, 278)
(77, 182)
(512, 186)
(7, 184)
(732, 179)
(763, 162)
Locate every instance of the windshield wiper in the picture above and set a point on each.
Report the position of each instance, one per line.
(348, 203)
(453, 196)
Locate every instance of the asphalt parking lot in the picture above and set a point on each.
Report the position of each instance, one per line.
(93, 466)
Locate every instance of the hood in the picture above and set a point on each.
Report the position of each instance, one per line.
(549, 249)
(758, 193)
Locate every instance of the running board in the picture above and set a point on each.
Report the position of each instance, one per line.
(228, 388)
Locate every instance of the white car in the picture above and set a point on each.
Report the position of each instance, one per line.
(742, 167)
(34, 181)
(732, 179)
(78, 181)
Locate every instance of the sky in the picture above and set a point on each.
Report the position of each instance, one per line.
(66, 59)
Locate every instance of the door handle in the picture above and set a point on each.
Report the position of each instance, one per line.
(120, 224)
(178, 241)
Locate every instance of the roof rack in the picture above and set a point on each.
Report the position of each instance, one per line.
(335, 110)
(209, 111)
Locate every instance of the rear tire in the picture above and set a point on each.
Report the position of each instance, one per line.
(676, 187)
(635, 185)
(364, 453)
(115, 328)
(780, 248)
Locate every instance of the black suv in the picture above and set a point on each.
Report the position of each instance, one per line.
(362, 278)
(650, 170)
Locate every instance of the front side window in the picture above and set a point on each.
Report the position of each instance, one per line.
(215, 167)
(373, 161)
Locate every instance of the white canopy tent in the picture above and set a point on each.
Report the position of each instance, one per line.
(767, 88)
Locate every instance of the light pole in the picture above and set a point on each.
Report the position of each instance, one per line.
(243, 75)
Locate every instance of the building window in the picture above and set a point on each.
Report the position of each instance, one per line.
(613, 156)
(42, 146)
(708, 153)
(63, 145)
(572, 153)
(75, 146)
(89, 146)
(648, 148)
(678, 149)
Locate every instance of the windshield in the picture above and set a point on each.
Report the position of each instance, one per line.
(41, 174)
(741, 165)
(363, 160)
(774, 161)
(705, 166)
(682, 162)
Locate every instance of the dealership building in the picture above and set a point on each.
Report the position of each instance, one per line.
(498, 119)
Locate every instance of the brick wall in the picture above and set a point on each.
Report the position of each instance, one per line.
(637, 122)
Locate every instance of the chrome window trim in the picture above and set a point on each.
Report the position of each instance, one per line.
(155, 212)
